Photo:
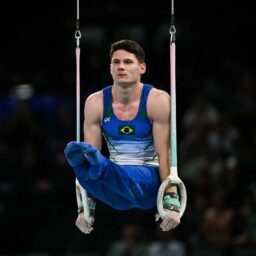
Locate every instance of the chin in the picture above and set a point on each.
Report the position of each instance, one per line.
(124, 84)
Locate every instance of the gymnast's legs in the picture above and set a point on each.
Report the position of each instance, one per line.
(119, 186)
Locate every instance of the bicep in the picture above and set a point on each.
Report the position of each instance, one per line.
(159, 111)
(92, 122)
(161, 137)
(161, 140)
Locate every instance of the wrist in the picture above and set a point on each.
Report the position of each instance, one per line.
(172, 194)
(171, 201)
(80, 207)
(91, 205)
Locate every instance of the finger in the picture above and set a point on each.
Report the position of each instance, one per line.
(81, 227)
(157, 217)
(171, 225)
(165, 225)
(175, 224)
(168, 224)
(84, 227)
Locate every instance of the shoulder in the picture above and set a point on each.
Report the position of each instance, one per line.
(158, 103)
(94, 104)
(157, 92)
(94, 98)
(158, 99)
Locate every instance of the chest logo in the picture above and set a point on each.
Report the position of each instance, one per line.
(126, 130)
(106, 119)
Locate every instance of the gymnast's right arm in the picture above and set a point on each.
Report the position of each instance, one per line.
(93, 111)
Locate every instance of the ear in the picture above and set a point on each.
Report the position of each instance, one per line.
(143, 68)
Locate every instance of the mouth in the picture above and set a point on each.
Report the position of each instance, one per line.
(121, 75)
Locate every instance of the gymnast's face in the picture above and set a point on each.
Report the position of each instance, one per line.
(125, 68)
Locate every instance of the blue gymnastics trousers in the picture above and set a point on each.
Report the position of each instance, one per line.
(120, 186)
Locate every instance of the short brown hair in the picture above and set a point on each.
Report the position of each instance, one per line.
(129, 46)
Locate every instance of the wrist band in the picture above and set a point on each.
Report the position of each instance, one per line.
(91, 205)
(171, 201)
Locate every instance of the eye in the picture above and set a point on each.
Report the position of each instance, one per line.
(128, 61)
(115, 61)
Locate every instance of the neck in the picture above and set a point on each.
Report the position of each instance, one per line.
(127, 94)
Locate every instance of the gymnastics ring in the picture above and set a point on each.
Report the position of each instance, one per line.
(173, 180)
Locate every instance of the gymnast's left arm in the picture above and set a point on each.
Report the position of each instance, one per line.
(159, 112)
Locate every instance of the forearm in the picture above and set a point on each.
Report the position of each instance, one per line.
(164, 172)
(92, 135)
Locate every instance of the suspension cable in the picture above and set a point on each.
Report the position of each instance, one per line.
(79, 188)
(77, 37)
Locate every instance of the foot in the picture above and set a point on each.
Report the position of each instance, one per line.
(79, 152)
(74, 154)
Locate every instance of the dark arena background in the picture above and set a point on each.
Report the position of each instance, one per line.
(216, 124)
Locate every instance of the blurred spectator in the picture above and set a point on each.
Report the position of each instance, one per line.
(200, 116)
(216, 223)
(248, 235)
(130, 244)
(166, 245)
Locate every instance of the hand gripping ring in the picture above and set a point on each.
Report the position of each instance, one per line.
(174, 180)
(79, 189)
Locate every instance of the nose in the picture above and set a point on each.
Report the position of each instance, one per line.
(121, 66)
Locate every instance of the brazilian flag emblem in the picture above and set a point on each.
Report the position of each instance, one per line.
(126, 130)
